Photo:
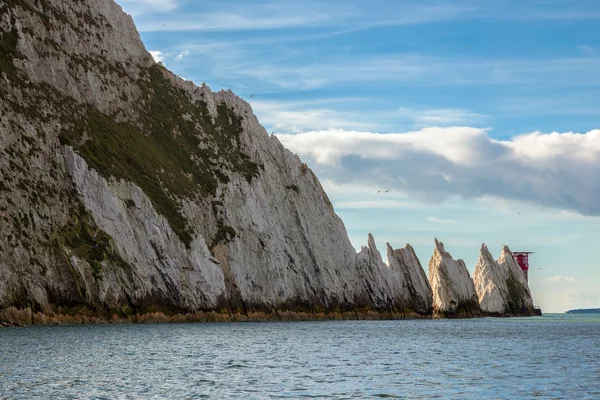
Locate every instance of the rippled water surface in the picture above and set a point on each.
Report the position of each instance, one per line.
(555, 356)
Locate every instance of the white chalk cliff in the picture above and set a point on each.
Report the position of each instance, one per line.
(410, 279)
(451, 284)
(500, 285)
(125, 189)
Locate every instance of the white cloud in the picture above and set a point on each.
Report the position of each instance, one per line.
(157, 55)
(560, 170)
(140, 7)
(181, 55)
(458, 145)
(302, 116)
(269, 65)
(236, 16)
(441, 221)
(310, 114)
(441, 116)
(409, 69)
(559, 278)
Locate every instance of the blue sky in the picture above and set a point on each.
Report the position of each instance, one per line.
(481, 118)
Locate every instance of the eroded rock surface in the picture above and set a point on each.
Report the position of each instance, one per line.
(501, 286)
(453, 290)
(125, 188)
(410, 279)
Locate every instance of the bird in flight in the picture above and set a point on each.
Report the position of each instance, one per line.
(378, 191)
(251, 96)
(518, 213)
(387, 190)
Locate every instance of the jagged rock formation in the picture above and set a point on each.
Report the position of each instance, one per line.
(453, 290)
(126, 190)
(410, 279)
(501, 286)
(373, 271)
(402, 284)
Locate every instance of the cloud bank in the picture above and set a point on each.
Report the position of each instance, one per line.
(559, 278)
(560, 170)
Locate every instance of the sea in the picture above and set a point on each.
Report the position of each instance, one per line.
(556, 356)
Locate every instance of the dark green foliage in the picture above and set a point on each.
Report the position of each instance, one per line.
(44, 10)
(9, 52)
(293, 187)
(516, 294)
(165, 159)
(174, 151)
(465, 308)
(88, 242)
(41, 9)
(225, 234)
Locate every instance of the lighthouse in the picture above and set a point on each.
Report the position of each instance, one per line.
(522, 258)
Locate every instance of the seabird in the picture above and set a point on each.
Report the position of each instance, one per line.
(387, 190)
(379, 191)
(251, 96)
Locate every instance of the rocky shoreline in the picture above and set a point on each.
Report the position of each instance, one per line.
(454, 295)
(127, 191)
(25, 318)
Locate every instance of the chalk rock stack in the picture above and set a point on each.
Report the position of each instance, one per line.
(453, 290)
(500, 285)
(410, 279)
(375, 273)
(127, 190)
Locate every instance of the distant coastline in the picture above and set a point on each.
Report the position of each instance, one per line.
(584, 311)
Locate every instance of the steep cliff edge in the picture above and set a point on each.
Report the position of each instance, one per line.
(453, 290)
(501, 286)
(128, 191)
(125, 189)
(411, 280)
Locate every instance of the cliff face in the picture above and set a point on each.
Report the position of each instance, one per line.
(500, 285)
(518, 296)
(124, 188)
(452, 287)
(402, 285)
(410, 279)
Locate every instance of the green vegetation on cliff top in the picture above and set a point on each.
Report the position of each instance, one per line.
(178, 154)
(175, 150)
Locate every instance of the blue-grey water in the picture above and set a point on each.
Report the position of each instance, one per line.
(556, 356)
